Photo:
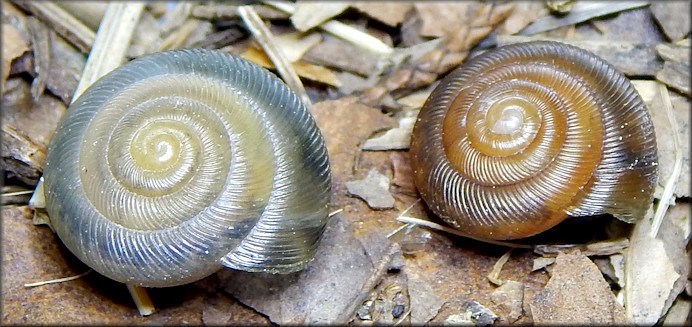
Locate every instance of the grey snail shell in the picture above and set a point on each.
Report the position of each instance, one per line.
(179, 163)
(523, 136)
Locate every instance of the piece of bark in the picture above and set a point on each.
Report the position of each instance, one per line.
(373, 189)
(673, 17)
(576, 294)
(27, 128)
(630, 58)
(390, 13)
(398, 138)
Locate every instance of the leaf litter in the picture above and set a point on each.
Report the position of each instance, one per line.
(397, 53)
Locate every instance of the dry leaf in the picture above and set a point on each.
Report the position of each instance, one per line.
(424, 302)
(581, 12)
(676, 68)
(673, 17)
(314, 295)
(13, 46)
(398, 138)
(630, 58)
(391, 13)
(523, 14)
(666, 155)
(309, 14)
(309, 71)
(656, 268)
(576, 294)
(373, 189)
(295, 44)
(510, 297)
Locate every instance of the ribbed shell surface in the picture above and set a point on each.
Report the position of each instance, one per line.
(181, 162)
(522, 136)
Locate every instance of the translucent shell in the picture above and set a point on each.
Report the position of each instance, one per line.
(523, 136)
(182, 162)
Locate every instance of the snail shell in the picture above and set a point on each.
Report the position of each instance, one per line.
(182, 162)
(525, 135)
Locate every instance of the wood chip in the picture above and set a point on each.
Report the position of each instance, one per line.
(576, 294)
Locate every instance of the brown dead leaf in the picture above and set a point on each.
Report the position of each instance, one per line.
(477, 20)
(523, 14)
(666, 150)
(303, 69)
(314, 295)
(391, 13)
(309, 14)
(656, 268)
(373, 189)
(576, 294)
(336, 53)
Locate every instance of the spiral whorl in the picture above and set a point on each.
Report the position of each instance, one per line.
(180, 162)
(520, 137)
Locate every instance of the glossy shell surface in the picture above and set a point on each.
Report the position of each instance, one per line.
(523, 136)
(179, 163)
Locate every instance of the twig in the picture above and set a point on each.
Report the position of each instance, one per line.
(111, 42)
(142, 300)
(10, 194)
(261, 33)
(494, 275)
(335, 212)
(430, 224)
(677, 167)
(59, 280)
(62, 22)
(377, 273)
(342, 31)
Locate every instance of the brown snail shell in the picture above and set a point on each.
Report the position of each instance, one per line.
(523, 136)
(182, 162)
